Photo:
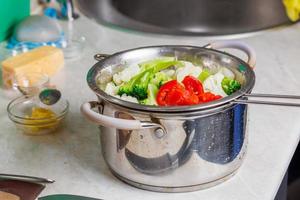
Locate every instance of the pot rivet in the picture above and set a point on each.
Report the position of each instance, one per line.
(159, 133)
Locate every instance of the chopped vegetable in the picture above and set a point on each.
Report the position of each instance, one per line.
(171, 93)
(230, 86)
(138, 85)
(139, 90)
(151, 92)
(104, 77)
(148, 64)
(111, 89)
(213, 84)
(189, 98)
(208, 96)
(126, 74)
(168, 82)
(193, 84)
(129, 98)
(188, 69)
(203, 75)
(160, 78)
(159, 64)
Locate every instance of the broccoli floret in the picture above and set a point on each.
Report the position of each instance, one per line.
(151, 99)
(139, 90)
(138, 85)
(126, 88)
(230, 86)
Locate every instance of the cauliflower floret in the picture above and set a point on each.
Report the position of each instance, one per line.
(126, 74)
(104, 77)
(129, 98)
(117, 79)
(111, 89)
(213, 84)
(188, 69)
(129, 72)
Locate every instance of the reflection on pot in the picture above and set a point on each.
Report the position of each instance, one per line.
(219, 138)
(151, 165)
(150, 154)
(122, 135)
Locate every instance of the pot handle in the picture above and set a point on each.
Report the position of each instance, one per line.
(236, 45)
(100, 56)
(124, 124)
(293, 100)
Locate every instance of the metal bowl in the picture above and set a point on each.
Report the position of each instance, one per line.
(207, 57)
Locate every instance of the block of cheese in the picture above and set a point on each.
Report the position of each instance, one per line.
(45, 59)
(8, 196)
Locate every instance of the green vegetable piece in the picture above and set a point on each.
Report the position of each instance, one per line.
(148, 64)
(152, 92)
(139, 90)
(230, 86)
(126, 88)
(160, 64)
(204, 75)
(159, 79)
(138, 85)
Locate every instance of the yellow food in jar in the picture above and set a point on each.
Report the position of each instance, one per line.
(40, 119)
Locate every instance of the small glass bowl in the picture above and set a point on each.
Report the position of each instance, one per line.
(20, 112)
(74, 47)
(31, 83)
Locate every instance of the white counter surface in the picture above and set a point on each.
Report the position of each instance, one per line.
(73, 157)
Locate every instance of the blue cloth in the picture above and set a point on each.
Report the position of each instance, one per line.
(13, 43)
(50, 12)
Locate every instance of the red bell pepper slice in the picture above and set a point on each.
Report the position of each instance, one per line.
(190, 98)
(193, 84)
(170, 93)
(208, 96)
(173, 93)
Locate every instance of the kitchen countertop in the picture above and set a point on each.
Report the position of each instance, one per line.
(73, 157)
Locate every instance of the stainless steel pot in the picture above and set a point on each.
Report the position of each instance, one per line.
(175, 149)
